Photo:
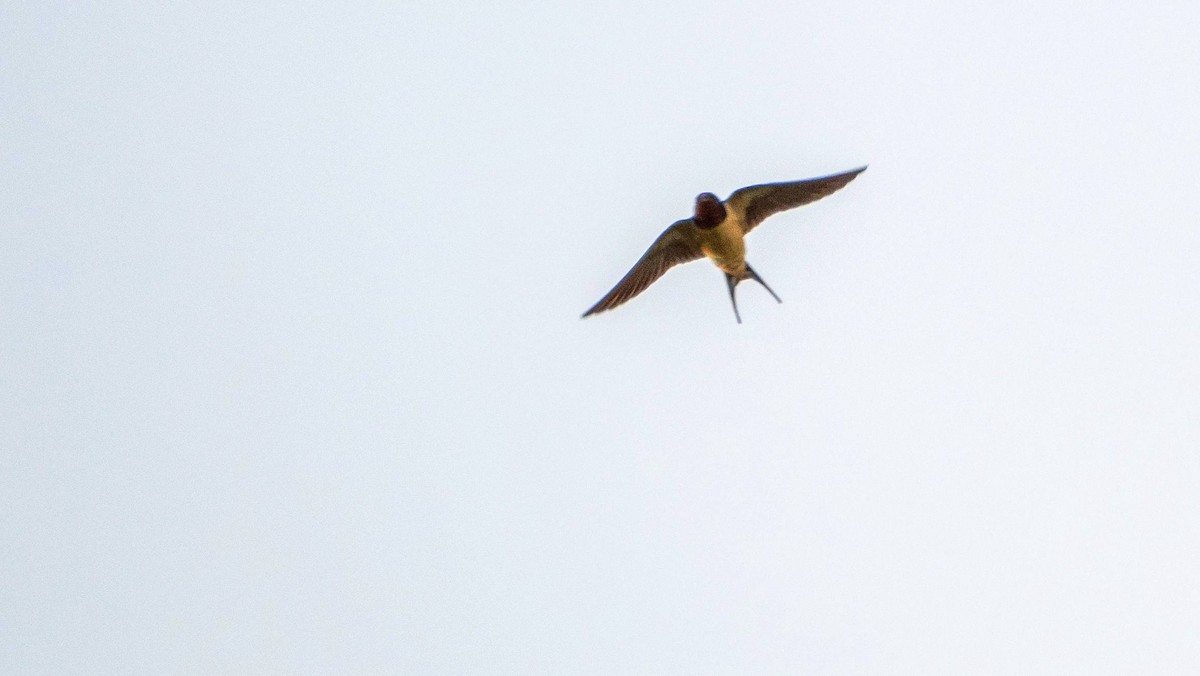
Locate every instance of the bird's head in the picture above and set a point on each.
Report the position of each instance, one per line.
(709, 211)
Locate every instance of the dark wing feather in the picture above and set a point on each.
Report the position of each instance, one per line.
(758, 202)
(677, 244)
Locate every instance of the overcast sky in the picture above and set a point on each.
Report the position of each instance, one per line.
(293, 380)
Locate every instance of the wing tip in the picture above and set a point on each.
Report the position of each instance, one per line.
(594, 310)
(853, 173)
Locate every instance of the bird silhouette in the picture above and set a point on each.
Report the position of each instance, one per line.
(718, 230)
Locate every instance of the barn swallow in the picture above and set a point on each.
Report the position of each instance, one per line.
(717, 230)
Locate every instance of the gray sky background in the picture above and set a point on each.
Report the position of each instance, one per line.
(292, 378)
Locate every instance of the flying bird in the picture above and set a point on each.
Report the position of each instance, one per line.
(717, 230)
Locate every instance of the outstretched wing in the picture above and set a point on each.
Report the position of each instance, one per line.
(757, 202)
(677, 244)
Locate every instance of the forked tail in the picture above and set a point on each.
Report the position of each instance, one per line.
(732, 282)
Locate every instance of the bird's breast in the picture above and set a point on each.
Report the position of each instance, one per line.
(726, 246)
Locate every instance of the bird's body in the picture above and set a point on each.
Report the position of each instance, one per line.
(725, 245)
(717, 231)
